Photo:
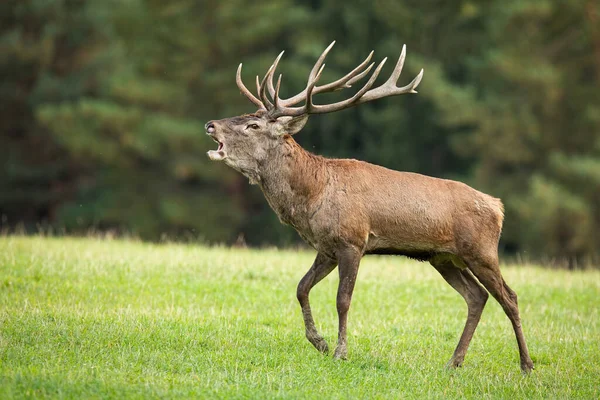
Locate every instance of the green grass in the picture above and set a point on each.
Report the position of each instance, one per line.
(86, 318)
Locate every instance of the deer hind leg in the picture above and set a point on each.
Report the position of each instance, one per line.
(488, 273)
(463, 281)
(321, 267)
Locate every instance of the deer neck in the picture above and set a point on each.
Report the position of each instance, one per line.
(292, 180)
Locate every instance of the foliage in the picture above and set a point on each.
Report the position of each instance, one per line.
(539, 100)
(83, 318)
(102, 107)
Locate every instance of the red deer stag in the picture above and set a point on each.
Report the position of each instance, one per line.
(348, 208)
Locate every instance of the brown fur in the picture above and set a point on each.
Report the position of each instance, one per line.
(348, 208)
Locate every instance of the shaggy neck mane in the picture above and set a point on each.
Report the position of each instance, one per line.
(292, 178)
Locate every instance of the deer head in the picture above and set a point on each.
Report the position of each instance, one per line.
(244, 142)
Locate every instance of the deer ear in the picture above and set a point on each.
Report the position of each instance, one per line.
(292, 125)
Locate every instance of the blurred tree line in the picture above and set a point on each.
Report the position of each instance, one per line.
(102, 107)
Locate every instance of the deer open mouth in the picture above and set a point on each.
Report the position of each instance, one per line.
(218, 154)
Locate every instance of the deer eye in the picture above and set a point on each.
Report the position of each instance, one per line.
(252, 126)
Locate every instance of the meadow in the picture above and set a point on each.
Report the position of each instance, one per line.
(91, 318)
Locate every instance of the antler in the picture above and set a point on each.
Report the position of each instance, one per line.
(344, 82)
(283, 107)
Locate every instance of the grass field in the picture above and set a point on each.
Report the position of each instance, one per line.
(86, 318)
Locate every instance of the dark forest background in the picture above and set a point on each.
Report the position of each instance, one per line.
(103, 103)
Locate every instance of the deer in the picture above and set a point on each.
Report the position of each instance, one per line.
(346, 208)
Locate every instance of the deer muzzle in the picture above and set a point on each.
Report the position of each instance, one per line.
(219, 154)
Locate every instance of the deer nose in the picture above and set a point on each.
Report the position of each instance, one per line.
(210, 127)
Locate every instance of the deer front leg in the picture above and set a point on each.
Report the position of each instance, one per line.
(321, 267)
(349, 260)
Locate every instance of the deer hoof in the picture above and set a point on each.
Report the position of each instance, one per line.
(319, 343)
(340, 353)
(454, 363)
(527, 367)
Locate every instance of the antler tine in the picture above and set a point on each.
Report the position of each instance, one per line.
(351, 77)
(398, 68)
(359, 76)
(340, 105)
(309, 89)
(318, 65)
(276, 98)
(270, 86)
(370, 82)
(244, 89)
(410, 88)
(261, 87)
